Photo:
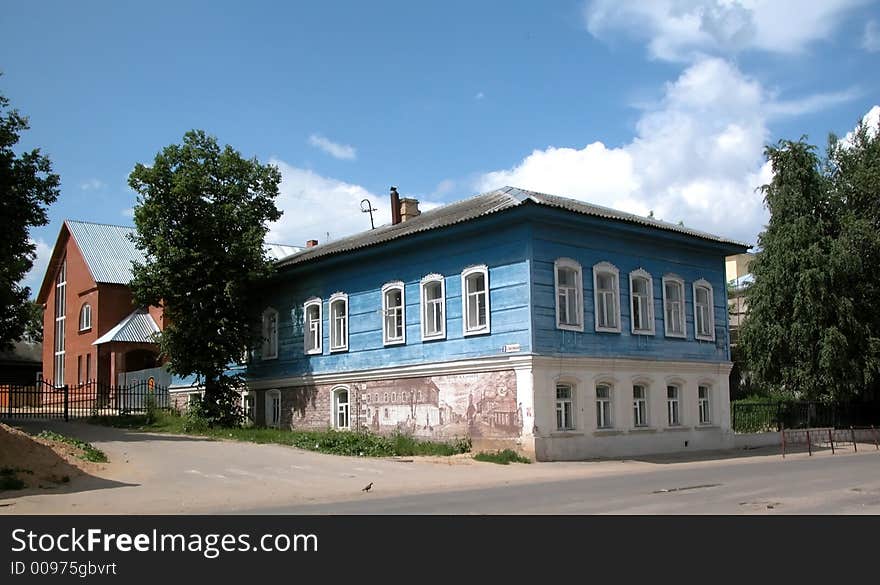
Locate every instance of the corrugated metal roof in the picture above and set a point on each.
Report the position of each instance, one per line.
(107, 250)
(139, 327)
(479, 206)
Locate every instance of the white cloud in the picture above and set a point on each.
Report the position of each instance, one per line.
(129, 212)
(871, 37)
(812, 103)
(92, 185)
(681, 30)
(34, 277)
(697, 157)
(340, 151)
(871, 120)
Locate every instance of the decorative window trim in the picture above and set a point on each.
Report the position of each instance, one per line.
(643, 274)
(579, 291)
(465, 274)
(270, 339)
(430, 278)
(680, 281)
(390, 286)
(313, 302)
(606, 268)
(85, 317)
(341, 345)
(334, 406)
(249, 407)
(271, 395)
(703, 283)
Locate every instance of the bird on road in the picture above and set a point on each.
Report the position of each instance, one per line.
(367, 487)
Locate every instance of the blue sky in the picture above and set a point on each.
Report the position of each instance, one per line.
(662, 106)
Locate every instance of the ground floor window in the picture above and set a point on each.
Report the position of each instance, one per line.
(705, 406)
(640, 406)
(564, 407)
(672, 406)
(603, 407)
(341, 408)
(247, 405)
(273, 408)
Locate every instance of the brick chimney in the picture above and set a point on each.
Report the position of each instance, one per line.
(395, 206)
(409, 208)
(311, 243)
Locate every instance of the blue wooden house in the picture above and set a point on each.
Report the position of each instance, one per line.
(513, 317)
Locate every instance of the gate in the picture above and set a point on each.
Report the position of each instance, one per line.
(44, 400)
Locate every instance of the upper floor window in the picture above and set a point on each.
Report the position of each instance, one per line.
(564, 407)
(705, 404)
(270, 334)
(704, 326)
(569, 294)
(339, 322)
(433, 307)
(673, 410)
(312, 310)
(393, 310)
(640, 406)
(673, 305)
(475, 300)
(85, 317)
(603, 407)
(607, 297)
(642, 293)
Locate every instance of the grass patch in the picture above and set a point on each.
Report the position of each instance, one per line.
(505, 457)
(358, 444)
(9, 480)
(89, 452)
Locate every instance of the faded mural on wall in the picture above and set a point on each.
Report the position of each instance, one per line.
(480, 405)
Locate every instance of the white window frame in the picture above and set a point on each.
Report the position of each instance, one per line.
(610, 269)
(85, 317)
(270, 337)
(271, 396)
(307, 326)
(337, 345)
(673, 405)
(702, 283)
(60, 323)
(674, 279)
(605, 416)
(465, 297)
(705, 417)
(641, 274)
(644, 413)
(335, 407)
(248, 406)
(389, 287)
(578, 291)
(429, 279)
(570, 408)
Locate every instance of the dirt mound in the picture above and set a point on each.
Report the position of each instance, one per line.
(38, 462)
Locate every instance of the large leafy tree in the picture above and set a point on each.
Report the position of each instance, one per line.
(27, 188)
(813, 328)
(201, 219)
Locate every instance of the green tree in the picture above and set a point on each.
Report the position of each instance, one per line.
(813, 326)
(27, 188)
(201, 219)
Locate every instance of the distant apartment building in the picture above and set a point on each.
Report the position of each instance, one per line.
(738, 275)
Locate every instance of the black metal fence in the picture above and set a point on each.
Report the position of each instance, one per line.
(759, 417)
(44, 400)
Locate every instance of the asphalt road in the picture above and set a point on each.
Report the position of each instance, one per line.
(846, 483)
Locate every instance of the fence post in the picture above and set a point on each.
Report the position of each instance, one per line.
(809, 444)
(874, 434)
(853, 435)
(782, 432)
(831, 440)
(66, 403)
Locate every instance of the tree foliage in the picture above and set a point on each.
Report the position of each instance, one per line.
(813, 327)
(27, 188)
(201, 219)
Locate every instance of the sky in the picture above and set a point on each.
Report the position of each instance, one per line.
(662, 106)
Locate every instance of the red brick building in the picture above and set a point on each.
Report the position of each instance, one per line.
(92, 329)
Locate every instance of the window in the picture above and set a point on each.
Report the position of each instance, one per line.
(641, 287)
(475, 300)
(607, 293)
(673, 305)
(393, 310)
(704, 326)
(79, 369)
(603, 407)
(569, 294)
(273, 408)
(312, 326)
(60, 321)
(194, 398)
(673, 417)
(640, 406)
(85, 317)
(564, 407)
(433, 307)
(341, 408)
(705, 405)
(339, 322)
(247, 405)
(270, 334)
(88, 366)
